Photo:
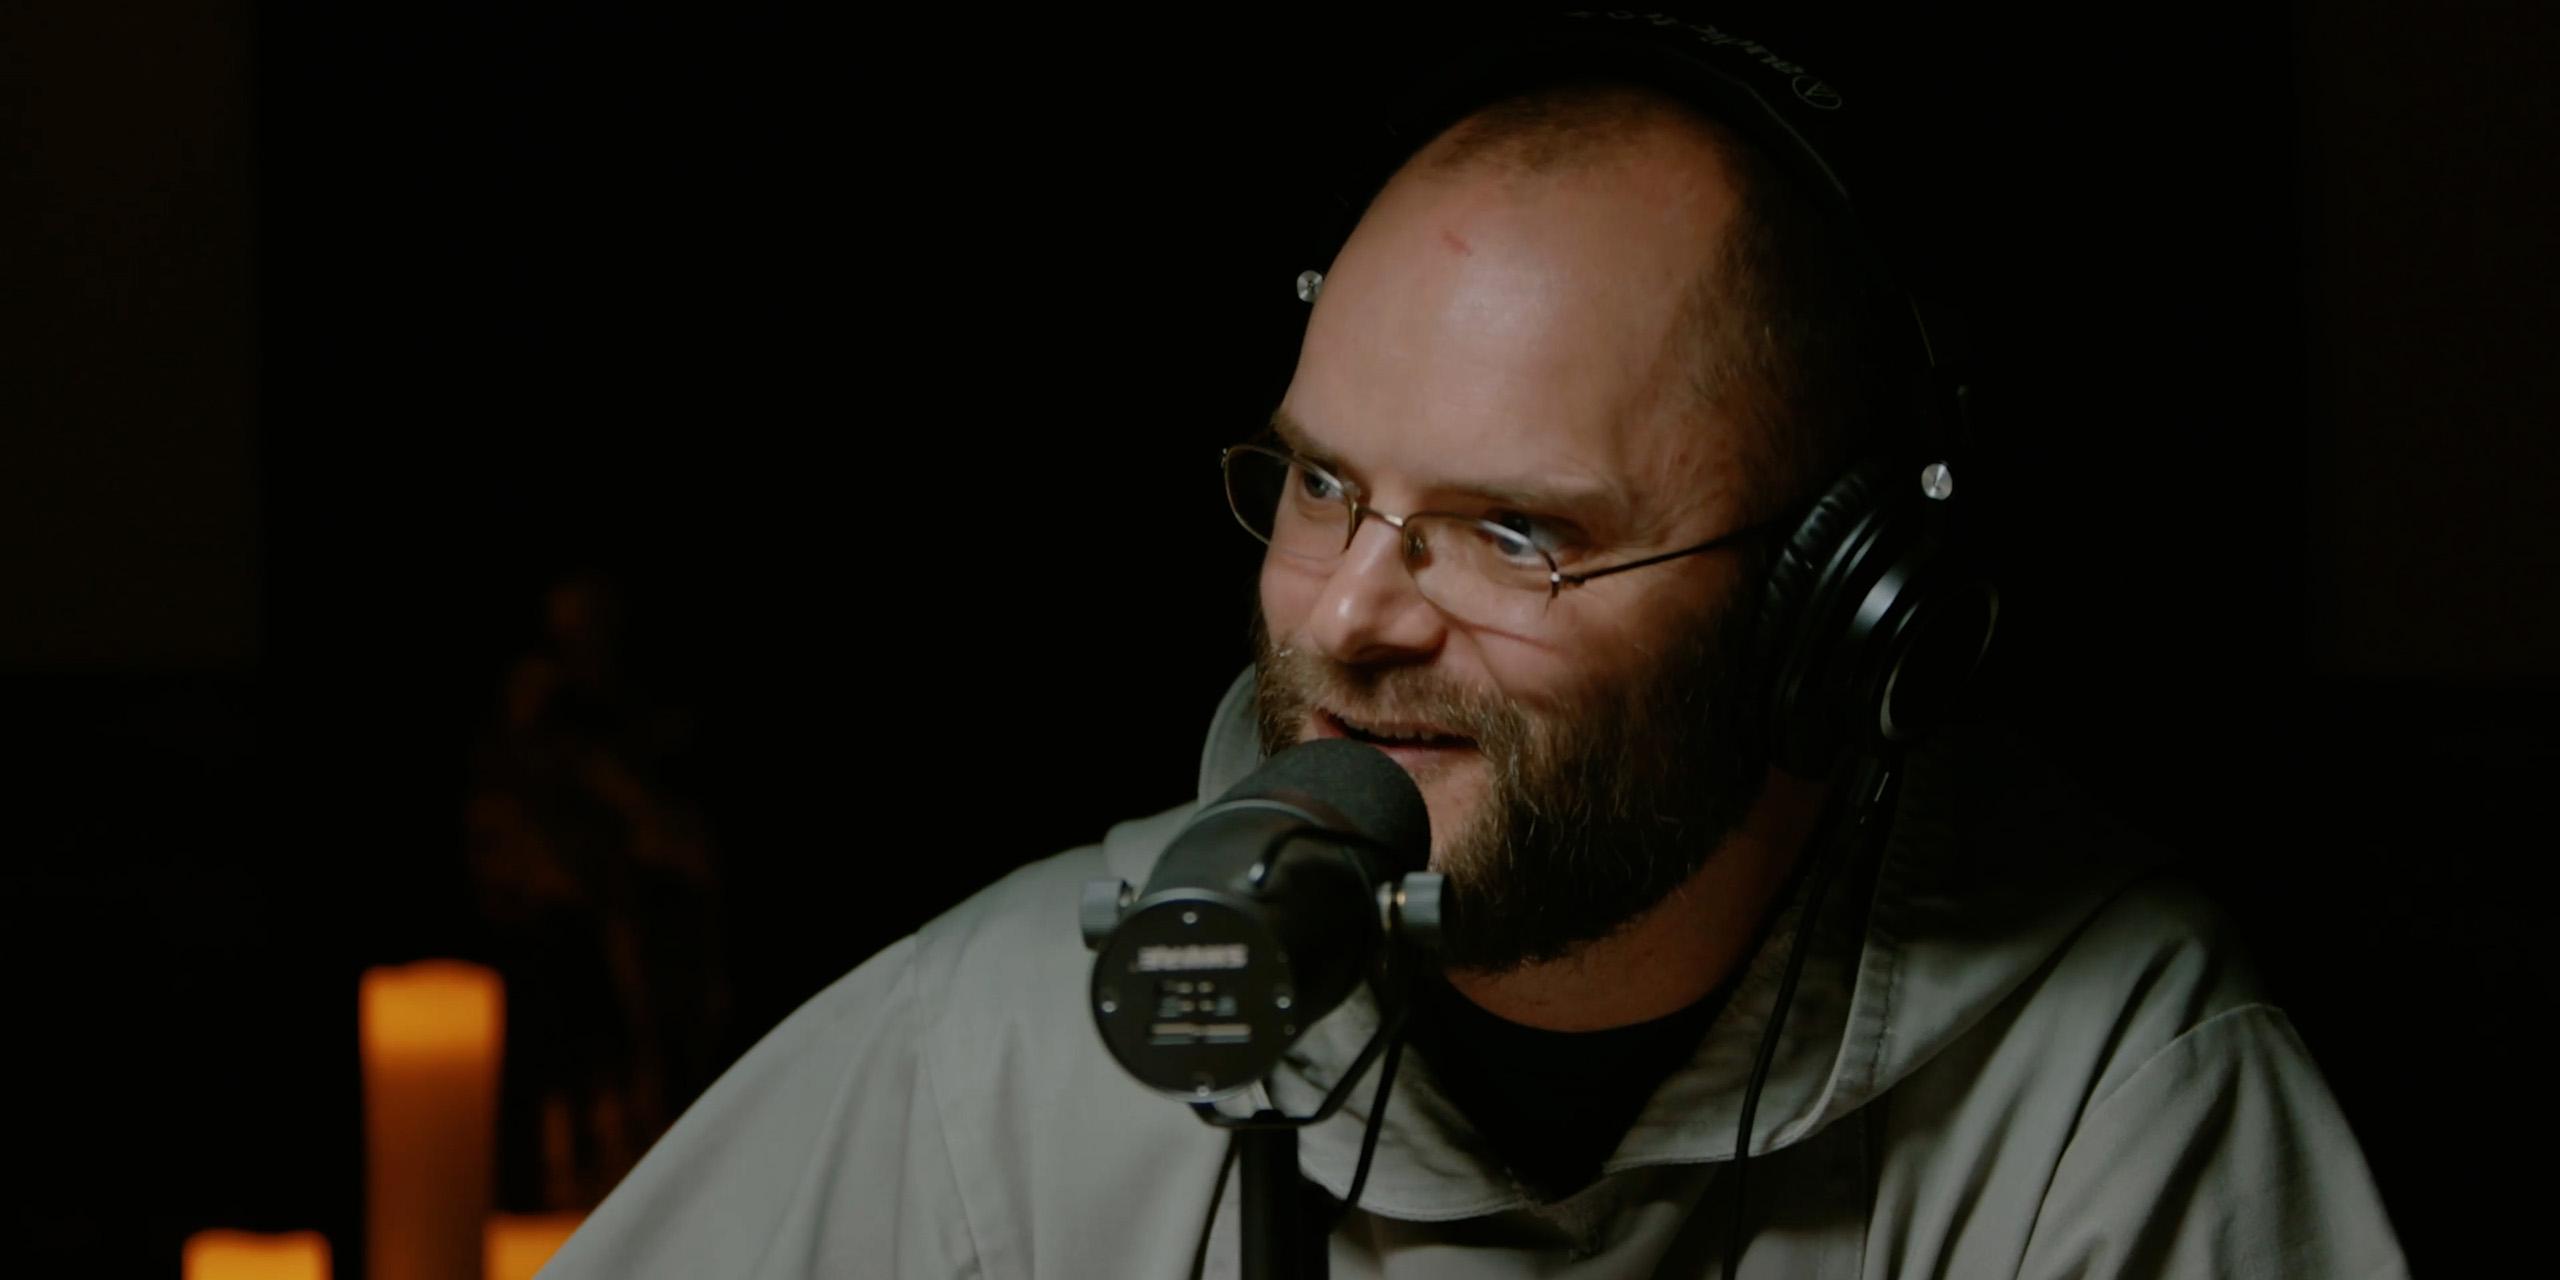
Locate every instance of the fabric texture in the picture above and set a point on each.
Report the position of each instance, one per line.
(2020, 1047)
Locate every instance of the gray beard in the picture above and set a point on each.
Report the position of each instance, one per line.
(1598, 810)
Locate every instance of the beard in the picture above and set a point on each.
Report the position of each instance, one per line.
(1599, 807)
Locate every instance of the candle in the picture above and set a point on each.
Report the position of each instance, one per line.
(244, 1255)
(518, 1244)
(431, 1034)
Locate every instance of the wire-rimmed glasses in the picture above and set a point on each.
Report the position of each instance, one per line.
(1474, 569)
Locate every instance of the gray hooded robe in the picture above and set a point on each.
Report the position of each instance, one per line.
(2032, 1054)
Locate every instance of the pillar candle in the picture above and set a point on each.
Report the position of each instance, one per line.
(518, 1244)
(244, 1255)
(431, 1036)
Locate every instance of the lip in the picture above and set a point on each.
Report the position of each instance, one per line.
(1413, 756)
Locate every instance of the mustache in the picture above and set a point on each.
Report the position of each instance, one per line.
(1295, 682)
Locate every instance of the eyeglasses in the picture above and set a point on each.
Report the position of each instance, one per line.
(1479, 571)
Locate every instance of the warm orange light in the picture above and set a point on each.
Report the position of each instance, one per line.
(434, 1008)
(431, 1035)
(244, 1255)
(520, 1243)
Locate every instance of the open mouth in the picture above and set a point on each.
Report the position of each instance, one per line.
(1395, 738)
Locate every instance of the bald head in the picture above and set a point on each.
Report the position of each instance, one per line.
(1545, 313)
(1770, 324)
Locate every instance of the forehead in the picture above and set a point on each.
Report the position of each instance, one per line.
(1486, 326)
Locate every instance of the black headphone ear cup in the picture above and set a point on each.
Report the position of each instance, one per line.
(1794, 648)
(1870, 631)
(1801, 560)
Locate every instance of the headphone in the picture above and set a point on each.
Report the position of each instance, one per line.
(1872, 619)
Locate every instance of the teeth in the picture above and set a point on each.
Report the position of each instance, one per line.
(1397, 735)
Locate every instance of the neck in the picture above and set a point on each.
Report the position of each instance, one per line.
(1685, 946)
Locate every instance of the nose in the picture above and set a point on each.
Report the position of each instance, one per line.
(1370, 611)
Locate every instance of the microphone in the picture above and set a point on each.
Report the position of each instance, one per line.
(1265, 911)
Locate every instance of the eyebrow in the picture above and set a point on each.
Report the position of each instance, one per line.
(1595, 498)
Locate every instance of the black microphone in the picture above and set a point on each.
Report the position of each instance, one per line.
(1263, 914)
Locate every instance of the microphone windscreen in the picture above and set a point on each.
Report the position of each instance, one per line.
(1358, 781)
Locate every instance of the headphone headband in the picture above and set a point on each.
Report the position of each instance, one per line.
(1870, 621)
(1795, 116)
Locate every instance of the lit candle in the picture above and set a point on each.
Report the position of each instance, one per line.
(431, 1034)
(520, 1243)
(245, 1255)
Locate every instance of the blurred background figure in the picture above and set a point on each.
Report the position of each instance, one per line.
(599, 885)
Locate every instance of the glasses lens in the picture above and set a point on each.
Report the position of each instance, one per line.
(1474, 571)
(1296, 508)
(1477, 572)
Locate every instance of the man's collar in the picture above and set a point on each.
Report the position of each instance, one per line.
(1433, 1165)
(1234, 747)
(1991, 862)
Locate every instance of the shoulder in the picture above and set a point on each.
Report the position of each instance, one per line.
(912, 1114)
(1044, 1132)
(822, 1100)
(2099, 992)
(2138, 1105)
(2005, 898)
(2029, 954)
(1023, 928)
(2159, 960)
(2204, 1139)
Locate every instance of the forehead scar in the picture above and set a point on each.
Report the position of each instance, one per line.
(1450, 238)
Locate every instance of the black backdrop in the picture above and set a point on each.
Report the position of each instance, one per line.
(880, 365)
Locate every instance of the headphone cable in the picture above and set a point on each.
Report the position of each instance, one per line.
(1369, 1132)
(1872, 780)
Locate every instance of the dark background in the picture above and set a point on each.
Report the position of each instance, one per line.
(876, 368)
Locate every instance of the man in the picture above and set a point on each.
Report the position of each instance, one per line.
(1571, 332)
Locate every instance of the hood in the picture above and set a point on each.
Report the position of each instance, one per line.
(1993, 861)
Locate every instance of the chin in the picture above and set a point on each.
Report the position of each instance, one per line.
(1453, 803)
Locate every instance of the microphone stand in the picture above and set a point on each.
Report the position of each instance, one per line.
(1285, 1226)
(1282, 1239)
(1287, 1222)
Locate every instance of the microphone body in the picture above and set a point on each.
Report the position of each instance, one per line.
(1263, 914)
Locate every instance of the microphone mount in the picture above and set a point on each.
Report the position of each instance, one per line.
(1261, 917)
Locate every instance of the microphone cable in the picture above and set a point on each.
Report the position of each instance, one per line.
(1218, 1192)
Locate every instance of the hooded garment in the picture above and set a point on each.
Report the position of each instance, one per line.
(2019, 1048)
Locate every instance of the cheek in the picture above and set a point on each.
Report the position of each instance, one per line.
(1548, 676)
(1288, 594)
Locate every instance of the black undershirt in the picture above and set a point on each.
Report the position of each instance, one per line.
(1553, 1104)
